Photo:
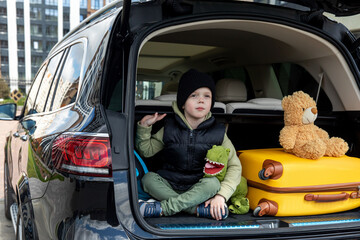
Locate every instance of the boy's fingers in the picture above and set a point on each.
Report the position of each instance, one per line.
(162, 116)
(207, 202)
(212, 212)
(222, 211)
(218, 214)
(159, 117)
(154, 117)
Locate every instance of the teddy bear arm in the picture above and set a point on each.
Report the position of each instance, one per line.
(287, 137)
(323, 135)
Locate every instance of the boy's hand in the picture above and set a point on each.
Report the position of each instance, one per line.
(217, 205)
(149, 120)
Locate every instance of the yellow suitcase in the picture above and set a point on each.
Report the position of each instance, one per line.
(281, 184)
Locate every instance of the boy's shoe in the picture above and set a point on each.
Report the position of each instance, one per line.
(204, 212)
(150, 209)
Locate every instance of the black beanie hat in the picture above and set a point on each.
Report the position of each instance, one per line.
(189, 82)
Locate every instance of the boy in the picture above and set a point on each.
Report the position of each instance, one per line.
(184, 140)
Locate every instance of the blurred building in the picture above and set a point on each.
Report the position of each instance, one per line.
(30, 28)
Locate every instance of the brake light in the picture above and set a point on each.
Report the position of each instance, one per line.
(82, 154)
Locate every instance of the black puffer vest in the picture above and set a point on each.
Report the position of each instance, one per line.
(184, 150)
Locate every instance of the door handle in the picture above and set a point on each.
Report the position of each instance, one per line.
(16, 134)
(24, 138)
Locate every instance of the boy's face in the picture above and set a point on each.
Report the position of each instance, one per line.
(198, 104)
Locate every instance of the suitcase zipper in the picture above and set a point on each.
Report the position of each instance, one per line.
(269, 207)
(355, 187)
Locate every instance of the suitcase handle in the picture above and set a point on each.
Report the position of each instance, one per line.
(326, 197)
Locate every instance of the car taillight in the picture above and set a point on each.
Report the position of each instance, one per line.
(82, 154)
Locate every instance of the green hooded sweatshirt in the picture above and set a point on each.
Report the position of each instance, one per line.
(148, 145)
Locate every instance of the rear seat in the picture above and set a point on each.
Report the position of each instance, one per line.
(159, 104)
(256, 105)
(233, 93)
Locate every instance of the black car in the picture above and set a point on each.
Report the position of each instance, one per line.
(71, 168)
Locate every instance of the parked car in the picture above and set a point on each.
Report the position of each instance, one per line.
(70, 168)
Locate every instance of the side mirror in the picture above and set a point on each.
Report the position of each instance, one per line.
(8, 111)
(29, 125)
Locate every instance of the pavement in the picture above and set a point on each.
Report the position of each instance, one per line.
(6, 227)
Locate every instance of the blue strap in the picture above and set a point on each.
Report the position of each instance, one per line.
(141, 162)
(141, 194)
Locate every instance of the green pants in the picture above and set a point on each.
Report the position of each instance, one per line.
(173, 201)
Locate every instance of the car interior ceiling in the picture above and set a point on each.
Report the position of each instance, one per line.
(216, 46)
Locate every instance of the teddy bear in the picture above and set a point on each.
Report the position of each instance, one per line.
(216, 166)
(300, 136)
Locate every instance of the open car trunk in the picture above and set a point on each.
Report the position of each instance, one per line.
(256, 131)
(271, 59)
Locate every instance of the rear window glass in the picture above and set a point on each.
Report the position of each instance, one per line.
(148, 90)
(33, 92)
(68, 84)
(293, 77)
(47, 82)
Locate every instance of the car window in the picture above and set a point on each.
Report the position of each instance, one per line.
(148, 89)
(54, 83)
(68, 82)
(33, 92)
(47, 82)
(293, 77)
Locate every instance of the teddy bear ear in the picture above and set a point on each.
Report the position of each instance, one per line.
(306, 98)
(298, 93)
(227, 151)
(214, 146)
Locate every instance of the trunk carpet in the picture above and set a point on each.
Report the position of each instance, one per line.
(248, 221)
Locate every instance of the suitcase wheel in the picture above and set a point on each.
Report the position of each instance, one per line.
(262, 174)
(257, 211)
(266, 207)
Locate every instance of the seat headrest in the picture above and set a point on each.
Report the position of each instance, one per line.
(166, 97)
(170, 88)
(230, 90)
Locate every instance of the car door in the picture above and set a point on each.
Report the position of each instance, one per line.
(32, 176)
(18, 135)
(26, 146)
